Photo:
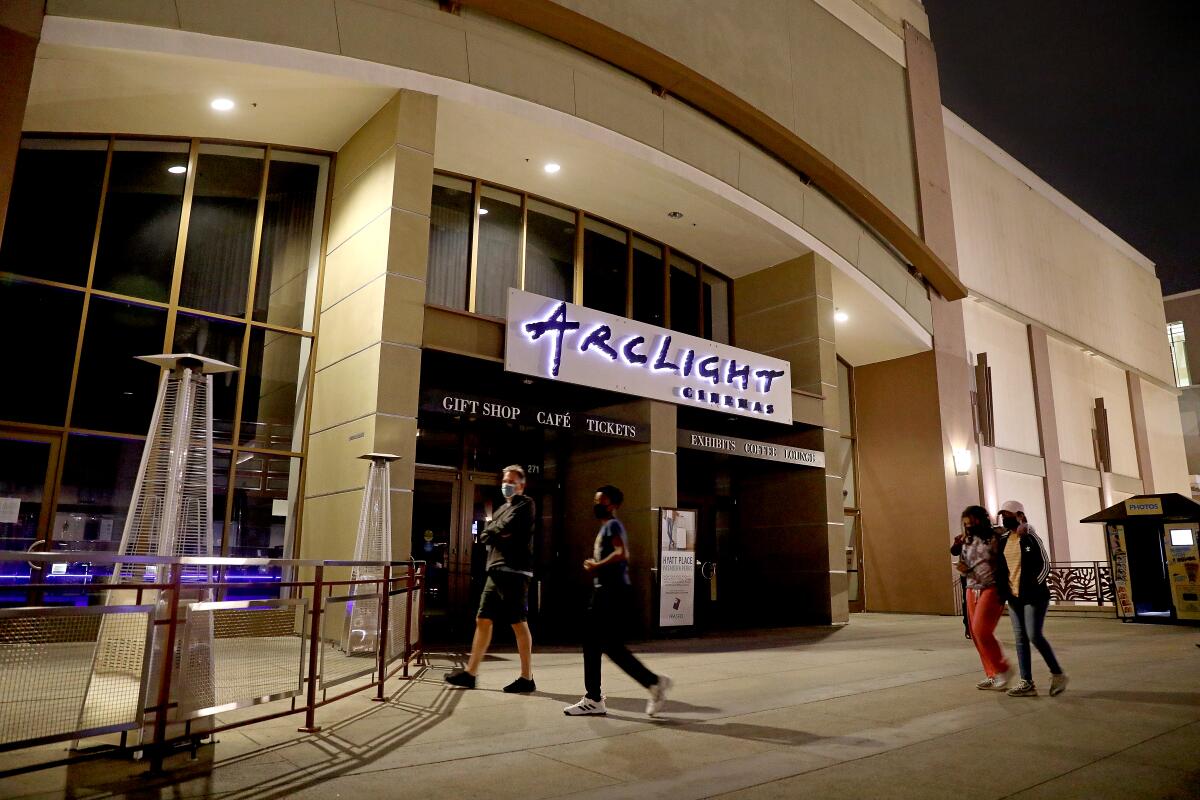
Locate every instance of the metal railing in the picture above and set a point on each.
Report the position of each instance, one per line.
(1069, 582)
(158, 657)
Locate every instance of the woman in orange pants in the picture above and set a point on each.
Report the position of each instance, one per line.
(977, 548)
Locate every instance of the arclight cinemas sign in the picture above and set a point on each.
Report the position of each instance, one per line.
(561, 341)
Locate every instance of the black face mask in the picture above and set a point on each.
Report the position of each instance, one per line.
(1012, 523)
(600, 510)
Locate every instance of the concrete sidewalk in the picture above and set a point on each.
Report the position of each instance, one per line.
(885, 707)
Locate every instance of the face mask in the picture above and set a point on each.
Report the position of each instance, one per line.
(508, 489)
(600, 510)
(1012, 523)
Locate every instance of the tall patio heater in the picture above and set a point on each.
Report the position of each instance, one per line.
(170, 514)
(374, 543)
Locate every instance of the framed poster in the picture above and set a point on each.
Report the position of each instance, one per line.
(677, 567)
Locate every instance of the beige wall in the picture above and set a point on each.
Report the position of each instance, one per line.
(1006, 343)
(372, 300)
(1165, 436)
(799, 64)
(1022, 251)
(1086, 539)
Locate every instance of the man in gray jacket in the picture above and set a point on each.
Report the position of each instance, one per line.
(505, 598)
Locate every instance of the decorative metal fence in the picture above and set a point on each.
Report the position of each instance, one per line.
(1075, 582)
(92, 659)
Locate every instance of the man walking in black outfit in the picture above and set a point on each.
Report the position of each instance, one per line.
(607, 612)
(505, 599)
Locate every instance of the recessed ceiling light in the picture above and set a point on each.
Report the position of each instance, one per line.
(551, 167)
(178, 169)
(482, 211)
(840, 316)
(675, 214)
(221, 104)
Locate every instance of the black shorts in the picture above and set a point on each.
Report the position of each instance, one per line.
(505, 598)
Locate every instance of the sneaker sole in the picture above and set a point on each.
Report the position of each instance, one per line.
(589, 714)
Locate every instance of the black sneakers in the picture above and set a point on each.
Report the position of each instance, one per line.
(460, 678)
(521, 686)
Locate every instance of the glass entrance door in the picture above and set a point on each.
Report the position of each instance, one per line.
(27, 465)
(435, 534)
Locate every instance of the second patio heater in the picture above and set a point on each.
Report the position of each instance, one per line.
(374, 543)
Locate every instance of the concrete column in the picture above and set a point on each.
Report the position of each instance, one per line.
(791, 518)
(1047, 422)
(369, 337)
(1141, 436)
(20, 30)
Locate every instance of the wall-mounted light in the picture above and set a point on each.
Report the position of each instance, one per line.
(482, 211)
(962, 461)
(177, 169)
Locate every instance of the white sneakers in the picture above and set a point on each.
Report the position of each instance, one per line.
(1001, 679)
(586, 707)
(1058, 684)
(658, 695)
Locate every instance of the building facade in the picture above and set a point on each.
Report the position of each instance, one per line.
(813, 308)
(1183, 329)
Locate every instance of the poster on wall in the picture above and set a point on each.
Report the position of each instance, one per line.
(677, 567)
(1183, 568)
(1119, 557)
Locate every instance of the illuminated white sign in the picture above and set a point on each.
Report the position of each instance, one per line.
(562, 341)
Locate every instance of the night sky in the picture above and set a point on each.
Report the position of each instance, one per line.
(1098, 97)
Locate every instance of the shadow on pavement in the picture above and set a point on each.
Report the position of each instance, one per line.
(633, 704)
(1156, 698)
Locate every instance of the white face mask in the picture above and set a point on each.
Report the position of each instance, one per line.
(508, 489)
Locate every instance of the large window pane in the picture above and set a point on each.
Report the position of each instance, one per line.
(648, 300)
(291, 240)
(499, 243)
(52, 210)
(685, 295)
(214, 338)
(604, 268)
(40, 326)
(264, 504)
(115, 392)
(273, 402)
(99, 473)
(716, 307)
(449, 242)
(216, 263)
(22, 478)
(140, 228)
(550, 250)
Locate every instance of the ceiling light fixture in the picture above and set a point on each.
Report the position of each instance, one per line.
(221, 104)
(840, 316)
(551, 168)
(675, 214)
(482, 211)
(178, 169)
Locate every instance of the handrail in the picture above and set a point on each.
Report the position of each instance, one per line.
(109, 557)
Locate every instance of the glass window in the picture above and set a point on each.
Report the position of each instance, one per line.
(291, 240)
(449, 242)
(648, 300)
(716, 307)
(604, 267)
(549, 250)
(114, 391)
(1179, 353)
(499, 243)
(52, 209)
(273, 400)
(685, 295)
(23, 466)
(220, 238)
(264, 505)
(140, 228)
(40, 326)
(222, 340)
(99, 473)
